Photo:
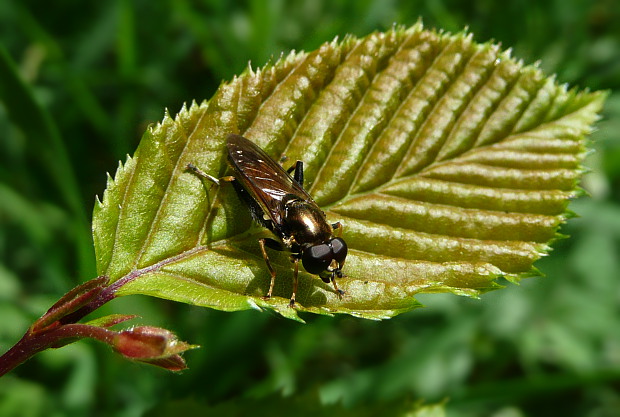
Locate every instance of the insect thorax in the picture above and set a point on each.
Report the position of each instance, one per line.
(304, 221)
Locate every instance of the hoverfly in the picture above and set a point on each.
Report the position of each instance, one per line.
(279, 202)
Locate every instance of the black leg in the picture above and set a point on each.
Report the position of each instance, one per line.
(298, 175)
(274, 244)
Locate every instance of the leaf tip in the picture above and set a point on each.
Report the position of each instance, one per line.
(249, 70)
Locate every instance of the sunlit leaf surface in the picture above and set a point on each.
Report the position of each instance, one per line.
(449, 163)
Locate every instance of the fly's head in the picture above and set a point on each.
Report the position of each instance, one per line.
(325, 257)
(322, 254)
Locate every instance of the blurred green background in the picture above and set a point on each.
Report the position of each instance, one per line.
(100, 72)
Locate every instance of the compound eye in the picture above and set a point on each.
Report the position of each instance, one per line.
(317, 258)
(340, 250)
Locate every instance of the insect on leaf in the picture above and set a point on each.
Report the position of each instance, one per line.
(448, 162)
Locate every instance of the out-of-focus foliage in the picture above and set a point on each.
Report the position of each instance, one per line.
(104, 70)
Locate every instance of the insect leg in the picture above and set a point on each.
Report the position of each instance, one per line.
(295, 279)
(338, 290)
(271, 270)
(338, 226)
(274, 244)
(211, 178)
(298, 175)
(211, 200)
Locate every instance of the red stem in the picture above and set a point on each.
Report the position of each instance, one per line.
(34, 342)
(65, 328)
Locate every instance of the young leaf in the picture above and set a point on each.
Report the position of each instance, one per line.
(449, 164)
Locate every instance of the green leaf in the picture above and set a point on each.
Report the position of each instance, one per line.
(449, 163)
